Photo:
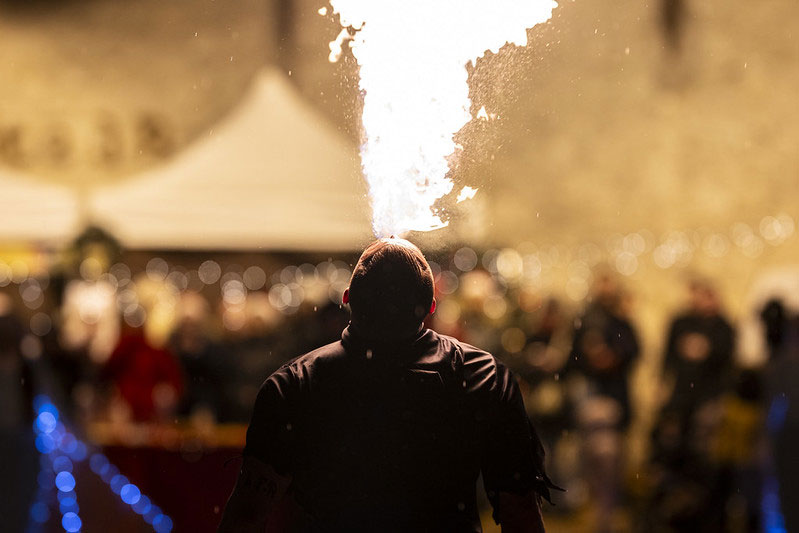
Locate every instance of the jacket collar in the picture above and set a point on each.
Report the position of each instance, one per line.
(411, 347)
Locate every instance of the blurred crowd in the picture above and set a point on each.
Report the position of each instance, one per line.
(113, 366)
(719, 444)
(153, 347)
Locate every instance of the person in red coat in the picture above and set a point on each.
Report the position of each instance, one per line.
(147, 378)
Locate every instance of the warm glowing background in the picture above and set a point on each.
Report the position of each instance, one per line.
(219, 129)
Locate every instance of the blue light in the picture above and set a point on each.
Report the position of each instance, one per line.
(109, 473)
(56, 470)
(71, 523)
(68, 505)
(42, 404)
(97, 462)
(106, 473)
(777, 412)
(38, 401)
(142, 506)
(80, 453)
(57, 434)
(46, 422)
(65, 482)
(45, 443)
(62, 464)
(117, 482)
(150, 516)
(68, 443)
(162, 524)
(68, 498)
(45, 479)
(66, 495)
(773, 521)
(40, 513)
(771, 501)
(130, 494)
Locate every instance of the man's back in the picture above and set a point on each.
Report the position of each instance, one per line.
(388, 429)
(393, 437)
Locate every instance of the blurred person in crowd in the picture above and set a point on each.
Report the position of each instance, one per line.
(17, 452)
(74, 373)
(483, 308)
(147, 379)
(604, 348)
(539, 370)
(692, 472)
(314, 325)
(332, 318)
(90, 319)
(389, 428)
(699, 352)
(545, 354)
(782, 380)
(736, 451)
(203, 363)
(774, 318)
(87, 329)
(260, 348)
(201, 359)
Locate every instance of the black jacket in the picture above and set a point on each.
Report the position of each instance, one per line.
(393, 437)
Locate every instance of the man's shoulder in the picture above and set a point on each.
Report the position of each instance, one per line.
(297, 370)
(481, 369)
(469, 352)
(333, 350)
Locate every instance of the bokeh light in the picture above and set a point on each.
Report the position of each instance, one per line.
(210, 272)
(465, 259)
(162, 523)
(46, 422)
(130, 494)
(117, 482)
(71, 522)
(62, 464)
(40, 513)
(65, 481)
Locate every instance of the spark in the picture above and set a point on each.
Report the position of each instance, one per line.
(337, 45)
(482, 113)
(467, 193)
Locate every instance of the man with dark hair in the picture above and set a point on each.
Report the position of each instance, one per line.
(391, 290)
(389, 428)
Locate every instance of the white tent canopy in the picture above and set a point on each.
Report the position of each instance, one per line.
(34, 211)
(271, 175)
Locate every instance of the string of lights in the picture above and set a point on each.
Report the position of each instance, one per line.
(154, 297)
(288, 287)
(60, 450)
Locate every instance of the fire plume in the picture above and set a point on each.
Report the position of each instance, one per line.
(412, 57)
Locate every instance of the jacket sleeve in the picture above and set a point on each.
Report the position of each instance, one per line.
(513, 456)
(271, 430)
